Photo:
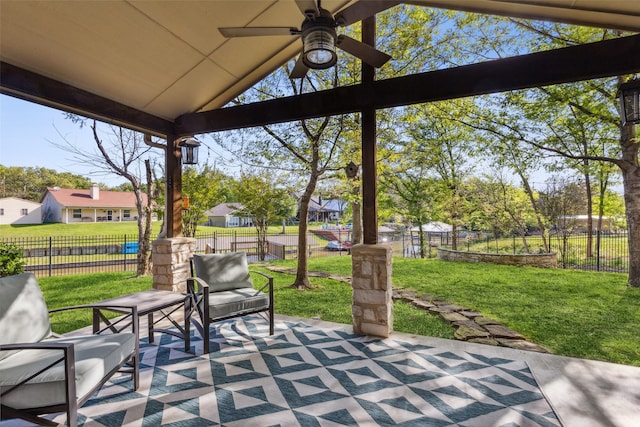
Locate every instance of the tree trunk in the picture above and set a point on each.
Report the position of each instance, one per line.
(536, 210)
(631, 183)
(422, 242)
(302, 270)
(587, 183)
(144, 227)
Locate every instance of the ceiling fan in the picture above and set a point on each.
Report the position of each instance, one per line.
(319, 37)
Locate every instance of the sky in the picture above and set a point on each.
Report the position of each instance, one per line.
(27, 134)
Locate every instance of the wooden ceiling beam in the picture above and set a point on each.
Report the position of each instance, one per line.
(582, 62)
(33, 87)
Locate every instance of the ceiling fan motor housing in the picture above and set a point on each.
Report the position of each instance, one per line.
(319, 41)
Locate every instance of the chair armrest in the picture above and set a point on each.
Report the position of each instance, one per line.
(261, 274)
(196, 285)
(198, 291)
(269, 281)
(68, 357)
(36, 346)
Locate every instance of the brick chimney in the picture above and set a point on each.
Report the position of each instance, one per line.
(94, 192)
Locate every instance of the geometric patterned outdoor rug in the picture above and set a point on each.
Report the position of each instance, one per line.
(310, 376)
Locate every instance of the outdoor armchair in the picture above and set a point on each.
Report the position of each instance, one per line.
(42, 373)
(221, 288)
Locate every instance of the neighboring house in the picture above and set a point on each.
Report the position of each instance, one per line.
(226, 215)
(435, 228)
(94, 205)
(326, 210)
(20, 211)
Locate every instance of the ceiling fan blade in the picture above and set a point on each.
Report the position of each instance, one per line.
(363, 51)
(363, 9)
(258, 31)
(309, 8)
(299, 70)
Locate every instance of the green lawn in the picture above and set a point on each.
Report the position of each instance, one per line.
(573, 313)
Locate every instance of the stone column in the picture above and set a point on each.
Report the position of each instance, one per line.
(372, 308)
(170, 258)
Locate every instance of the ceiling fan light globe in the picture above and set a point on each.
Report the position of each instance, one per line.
(319, 48)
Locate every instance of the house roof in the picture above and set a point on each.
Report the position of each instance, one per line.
(224, 209)
(333, 205)
(143, 64)
(71, 198)
(435, 227)
(18, 199)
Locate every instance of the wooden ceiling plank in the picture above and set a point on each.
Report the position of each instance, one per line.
(583, 62)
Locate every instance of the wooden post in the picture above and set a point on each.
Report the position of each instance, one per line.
(173, 204)
(369, 149)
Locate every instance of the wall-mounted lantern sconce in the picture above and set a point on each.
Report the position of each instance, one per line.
(629, 96)
(189, 148)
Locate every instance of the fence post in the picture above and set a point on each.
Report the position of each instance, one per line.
(50, 256)
(597, 250)
(124, 254)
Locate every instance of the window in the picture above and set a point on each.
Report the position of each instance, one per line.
(77, 213)
(1, 211)
(24, 212)
(126, 213)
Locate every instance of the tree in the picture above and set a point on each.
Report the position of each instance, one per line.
(445, 149)
(411, 189)
(561, 202)
(504, 208)
(205, 188)
(306, 151)
(591, 134)
(123, 154)
(30, 183)
(265, 202)
(578, 122)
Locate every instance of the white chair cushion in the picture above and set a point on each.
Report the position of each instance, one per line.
(24, 317)
(96, 355)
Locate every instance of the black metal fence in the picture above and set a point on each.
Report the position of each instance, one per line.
(57, 255)
(599, 251)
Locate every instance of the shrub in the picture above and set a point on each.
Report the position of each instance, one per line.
(10, 259)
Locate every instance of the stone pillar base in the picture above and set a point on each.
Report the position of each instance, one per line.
(170, 258)
(372, 309)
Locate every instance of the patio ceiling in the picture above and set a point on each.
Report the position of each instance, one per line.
(143, 64)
